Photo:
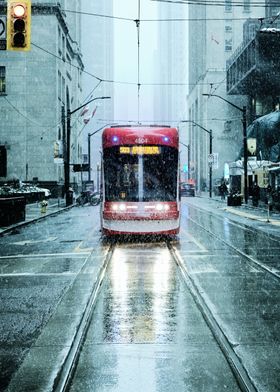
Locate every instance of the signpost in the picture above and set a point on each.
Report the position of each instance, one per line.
(213, 160)
(3, 32)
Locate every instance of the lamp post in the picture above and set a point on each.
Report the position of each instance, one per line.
(210, 149)
(67, 155)
(245, 152)
(188, 148)
(89, 148)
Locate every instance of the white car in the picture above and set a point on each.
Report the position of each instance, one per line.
(45, 190)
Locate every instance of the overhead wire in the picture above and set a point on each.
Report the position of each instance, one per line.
(216, 3)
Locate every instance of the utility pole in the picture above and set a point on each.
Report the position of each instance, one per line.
(89, 160)
(210, 149)
(69, 200)
(245, 148)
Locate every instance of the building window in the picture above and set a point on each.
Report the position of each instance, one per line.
(246, 5)
(59, 42)
(228, 45)
(59, 86)
(2, 80)
(228, 5)
(228, 26)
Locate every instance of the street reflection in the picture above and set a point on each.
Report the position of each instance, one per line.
(140, 290)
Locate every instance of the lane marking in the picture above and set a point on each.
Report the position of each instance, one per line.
(80, 254)
(28, 242)
(200, 246)
(26, 274)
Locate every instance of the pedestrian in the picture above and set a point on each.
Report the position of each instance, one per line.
(255, 194)
(269, 197)
(223, 190)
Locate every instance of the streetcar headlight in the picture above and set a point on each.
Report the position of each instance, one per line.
(122, 207)
(166, 207)
(115, 207)
(159, 207)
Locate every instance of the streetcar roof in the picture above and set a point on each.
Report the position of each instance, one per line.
(124, 135)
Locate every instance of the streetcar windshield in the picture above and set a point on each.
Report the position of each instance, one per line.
(140, 173)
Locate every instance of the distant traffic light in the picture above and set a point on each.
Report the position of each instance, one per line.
(18, 25)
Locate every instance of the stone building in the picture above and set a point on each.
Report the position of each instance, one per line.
(215, 31)
(36, 85)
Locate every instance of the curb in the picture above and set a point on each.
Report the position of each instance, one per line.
(25, 223)
(247, 226)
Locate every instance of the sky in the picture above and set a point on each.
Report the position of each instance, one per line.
(126, 59)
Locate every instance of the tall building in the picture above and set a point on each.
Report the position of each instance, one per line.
(35, 86)
(171, 63)
(98, 58)
(215, 31)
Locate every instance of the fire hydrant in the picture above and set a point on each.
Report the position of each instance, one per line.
(44, 204)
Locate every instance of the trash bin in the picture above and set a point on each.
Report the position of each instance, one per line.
(234, 200)
(12, 210)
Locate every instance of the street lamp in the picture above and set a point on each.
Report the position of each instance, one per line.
(245, 162)
(67, 155)
(188, 148)
(210, 149)
(89, 148)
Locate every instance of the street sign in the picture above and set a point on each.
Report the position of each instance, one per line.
(3, 32)
(213, 160)
(77, 167)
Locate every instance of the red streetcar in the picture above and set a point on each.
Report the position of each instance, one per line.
(140, 180)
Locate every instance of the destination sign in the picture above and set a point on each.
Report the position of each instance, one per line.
(140, 150)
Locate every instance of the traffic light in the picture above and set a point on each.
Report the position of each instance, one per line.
(18, 25)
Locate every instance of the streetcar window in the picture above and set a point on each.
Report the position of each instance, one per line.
(136, 177)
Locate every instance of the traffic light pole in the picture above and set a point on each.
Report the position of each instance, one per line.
(68, 195)
(210, 149)
(245, 147)
(89, 147)
(210, 165)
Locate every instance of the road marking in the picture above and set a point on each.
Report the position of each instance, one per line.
(38, 274)
(28, 242)
(80, 254)
(78, 248)
(200, 246)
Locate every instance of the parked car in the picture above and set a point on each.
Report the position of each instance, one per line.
(187, 189)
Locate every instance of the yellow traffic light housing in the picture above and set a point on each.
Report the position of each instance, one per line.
(18, 25)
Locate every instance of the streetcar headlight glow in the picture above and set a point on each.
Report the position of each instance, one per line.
(115, 207)
(122, 207)
(166, 139)
(166, 207)
(115, 139)
(159, 207)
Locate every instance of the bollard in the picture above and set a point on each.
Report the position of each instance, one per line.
(268, 211)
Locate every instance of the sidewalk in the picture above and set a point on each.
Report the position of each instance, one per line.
(247, 215)
(33, 213)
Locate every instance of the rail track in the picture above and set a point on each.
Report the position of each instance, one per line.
(67, 373)
(253, 261)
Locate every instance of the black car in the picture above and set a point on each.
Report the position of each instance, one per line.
(187, 189)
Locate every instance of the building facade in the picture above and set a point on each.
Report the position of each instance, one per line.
(215, 31)
(171, 64)
(39, 86)
(98, 58)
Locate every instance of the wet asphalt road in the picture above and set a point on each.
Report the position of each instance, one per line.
(146, 332)
(38, 264)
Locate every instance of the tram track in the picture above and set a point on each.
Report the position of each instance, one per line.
(65, 377)
(236, 366)
(262, 267)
